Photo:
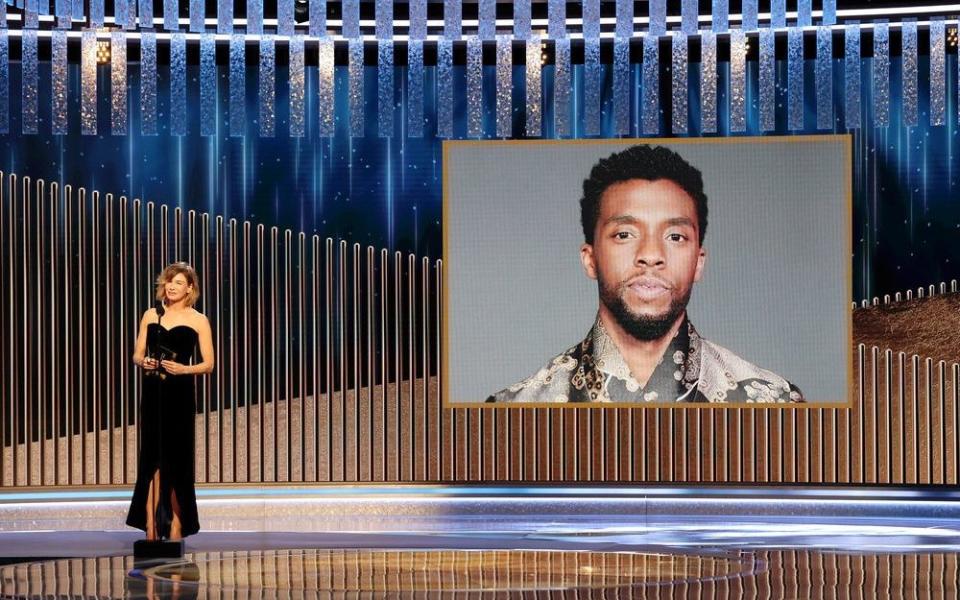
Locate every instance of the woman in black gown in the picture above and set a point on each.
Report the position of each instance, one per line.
(164, 504)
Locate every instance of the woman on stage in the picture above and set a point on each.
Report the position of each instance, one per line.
(164, 504)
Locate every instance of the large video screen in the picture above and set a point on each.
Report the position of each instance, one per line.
(648, 272)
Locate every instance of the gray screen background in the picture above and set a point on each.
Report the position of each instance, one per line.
(775, 284)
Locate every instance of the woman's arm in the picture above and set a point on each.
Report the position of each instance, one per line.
(140, 347)
(206, 349)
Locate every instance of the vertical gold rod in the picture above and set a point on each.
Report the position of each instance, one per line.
(110, 339)
(124, 337)
(302, 351)
(234, 288)
(192, 259)
(287, 380)
(360, 411)
(164, 236)
(69, 353)
(53, 330)
(82, 373)
(913, 465)
(884, 428)
(924, 442)
(208, 306)
(96, 351)
(4, 355)
(954, 474)
(345, 420)
(274, 380)
(385, 473)
(332, 427)
(192, 238)
(937, 414)
(872, 431)
(13, 391)
(446, 416)
(261, 383)
(373, 431)
(26, 335)
(177, 233)
(402, 415)
(247, 343)
(218, 285)
(137, 311)
(40, 364)
(857, 453)
(315, 354)
(429, 415)
(415, 416)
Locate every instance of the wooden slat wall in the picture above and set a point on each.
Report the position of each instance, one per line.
(328, 372)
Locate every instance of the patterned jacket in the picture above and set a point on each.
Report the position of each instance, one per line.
(691, 369)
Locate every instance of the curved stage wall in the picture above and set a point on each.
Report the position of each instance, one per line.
(328, 363)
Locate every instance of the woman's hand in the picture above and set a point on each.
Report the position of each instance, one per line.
(149, 364)
(174, 368)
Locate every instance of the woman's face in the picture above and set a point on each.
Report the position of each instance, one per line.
(177, 288)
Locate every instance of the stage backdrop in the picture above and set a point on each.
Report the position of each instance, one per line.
(321, 274)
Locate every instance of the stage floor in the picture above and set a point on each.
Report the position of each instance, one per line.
(845, 548)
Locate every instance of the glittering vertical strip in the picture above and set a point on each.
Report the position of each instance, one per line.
(384, 19)
(561, 88)
(4, 81)
(795, 78)
(3, 20)
(208, 84)
(62, 10)
(146, 13)
(881, 73)
(198, 13)
(621, 86)
(355, 91)
(804, 13)
(238, 84)
(658, 17)
(851, 74)
(325, 71)
(267, 88)
(721, 16)
(28, 90)
(385, 101)
(708, 82)
(88, 82)
(778, 14)
(678, 68)
(224, 16)
(178, 84)
(97, 13)
(474, 87)
(118, 83)
(78, 7)
(148, 83)
(418, 19)
(317, 13)
(824, 78)
(504, 87)
(414, 102)
(556, 18)
(938, 72)
(452, 19)
(829, 12)
(521, 19)
(58, 81)
(31, 17)
(909, 71)
(121, 13)
(297, 87)
(738, 80)
(534, 126)
(624, 28)
(255, 17)
(651, 85)
(768, 80)
(171, 15)
(592, 84)
(591, 19)
(688, 17)
(750, 21)
(444, 88)
(285, 17)
(351, 18)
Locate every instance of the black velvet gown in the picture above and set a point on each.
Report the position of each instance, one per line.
(167, 414)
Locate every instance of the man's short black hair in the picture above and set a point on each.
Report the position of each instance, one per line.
(640, 162)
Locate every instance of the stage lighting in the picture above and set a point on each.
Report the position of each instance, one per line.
(103, 52)
(301, 11)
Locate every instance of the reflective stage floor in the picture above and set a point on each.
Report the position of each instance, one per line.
(516, 552)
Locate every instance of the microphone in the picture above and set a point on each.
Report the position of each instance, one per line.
(160, 309)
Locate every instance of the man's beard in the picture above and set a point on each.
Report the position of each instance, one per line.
(645, 328)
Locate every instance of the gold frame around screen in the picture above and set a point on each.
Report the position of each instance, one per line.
(846, 139)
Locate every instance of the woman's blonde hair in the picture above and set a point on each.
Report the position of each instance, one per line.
(172, 270)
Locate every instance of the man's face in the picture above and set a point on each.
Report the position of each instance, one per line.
(645, 255)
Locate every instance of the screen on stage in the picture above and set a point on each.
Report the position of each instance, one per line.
(648, 272)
